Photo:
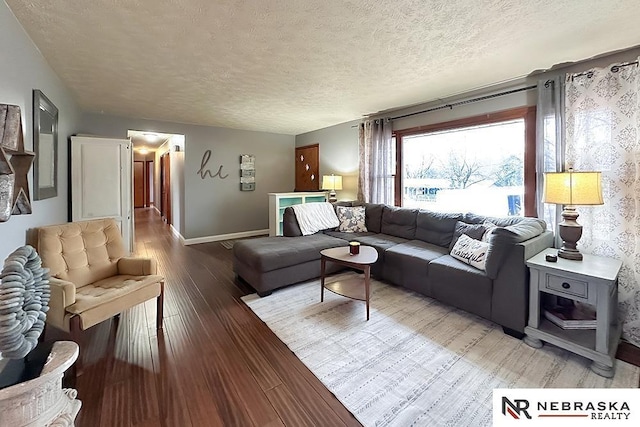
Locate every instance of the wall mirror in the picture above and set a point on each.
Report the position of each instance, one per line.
(45, 145)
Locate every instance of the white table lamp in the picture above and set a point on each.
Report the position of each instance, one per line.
(570, 189)
(332, 182)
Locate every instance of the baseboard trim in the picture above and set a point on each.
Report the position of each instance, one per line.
(221, 237)
(177, 234)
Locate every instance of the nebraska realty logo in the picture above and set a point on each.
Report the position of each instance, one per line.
(575, 407)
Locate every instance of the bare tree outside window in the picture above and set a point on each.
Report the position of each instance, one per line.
(422, 170)
(462, 169)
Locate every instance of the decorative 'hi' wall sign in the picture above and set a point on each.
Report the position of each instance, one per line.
(247, 172)
(15, 163)
(204, 170)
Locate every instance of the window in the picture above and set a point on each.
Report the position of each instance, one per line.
(474, 165)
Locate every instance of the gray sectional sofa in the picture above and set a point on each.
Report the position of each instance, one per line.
(413, 251)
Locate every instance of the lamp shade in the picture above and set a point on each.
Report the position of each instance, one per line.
(573, 188)
(331, 182)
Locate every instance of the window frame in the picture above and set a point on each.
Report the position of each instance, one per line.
(526, 113)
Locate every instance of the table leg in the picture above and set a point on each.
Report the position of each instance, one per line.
(602, 370)
(532, 342)
(322, 263)
(367, 274)
(534, 299)
(603, 319)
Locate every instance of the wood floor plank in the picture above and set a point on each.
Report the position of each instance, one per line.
(201, 402)
(241, 387)
(293, 415)
(255, 358)
(118, 367)
(171, 397)
(227, 373)
(116, 406)
(142, 382)
(152, 422)
(90, 388)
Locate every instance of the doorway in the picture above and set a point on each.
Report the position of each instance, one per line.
(142, 183)
(148, 173)
(165, 187)
(138, 184)
(102, 182)
(307, 168)
(159, 174)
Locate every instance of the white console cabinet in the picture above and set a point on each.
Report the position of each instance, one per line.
(279, 201)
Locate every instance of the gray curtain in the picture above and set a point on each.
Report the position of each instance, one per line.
(603, 133)
(377, 162)
(549, 144)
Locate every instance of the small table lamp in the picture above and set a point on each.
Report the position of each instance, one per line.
(572, 188)
(332, 182)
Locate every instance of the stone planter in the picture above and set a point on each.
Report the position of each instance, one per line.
(42, 401)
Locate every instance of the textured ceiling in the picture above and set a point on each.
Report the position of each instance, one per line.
(291, 66)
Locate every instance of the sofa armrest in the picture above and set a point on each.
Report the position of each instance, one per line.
(137, 266)
(537, 244)
(510, 298)
(503, 239)
(63, 294)
(290, 226)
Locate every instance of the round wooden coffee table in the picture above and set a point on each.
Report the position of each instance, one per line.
(350, 288)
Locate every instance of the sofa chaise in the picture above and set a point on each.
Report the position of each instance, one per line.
(413, 252)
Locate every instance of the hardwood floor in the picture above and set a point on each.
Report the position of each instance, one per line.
(215, 363)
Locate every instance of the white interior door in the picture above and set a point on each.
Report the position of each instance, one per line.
(101, 182)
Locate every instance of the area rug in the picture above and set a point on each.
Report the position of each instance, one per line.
(416, 362)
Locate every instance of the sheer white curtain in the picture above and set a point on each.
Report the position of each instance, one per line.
(602, 133)
(377, 162)
(549, 143)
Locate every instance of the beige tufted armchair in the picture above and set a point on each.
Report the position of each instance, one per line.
(91, 279)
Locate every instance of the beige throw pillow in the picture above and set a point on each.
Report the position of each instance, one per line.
(471, 251)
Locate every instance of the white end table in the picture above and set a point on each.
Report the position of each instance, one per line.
(594, 281)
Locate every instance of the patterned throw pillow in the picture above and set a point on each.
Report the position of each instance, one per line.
(471, 251)
(351, 219)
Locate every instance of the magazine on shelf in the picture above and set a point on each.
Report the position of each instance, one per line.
(577, 316)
